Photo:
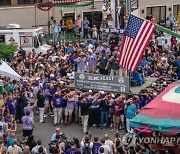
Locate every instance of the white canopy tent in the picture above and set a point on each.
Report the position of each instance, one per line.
(6, 70)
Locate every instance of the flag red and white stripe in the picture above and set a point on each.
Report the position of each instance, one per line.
(135, 41)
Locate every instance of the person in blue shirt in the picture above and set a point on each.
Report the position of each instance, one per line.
(104, 108)
(10, 139)
(69, 49)
(143, 62)
(131, 111)
(58, 132)
(56, 30)
(85, 27)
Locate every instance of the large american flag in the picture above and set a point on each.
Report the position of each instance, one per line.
(136, 38)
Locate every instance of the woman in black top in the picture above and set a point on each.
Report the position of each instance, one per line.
(40, 105)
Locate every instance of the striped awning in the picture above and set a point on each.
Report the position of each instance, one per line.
(68, 1)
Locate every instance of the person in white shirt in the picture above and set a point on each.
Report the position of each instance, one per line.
(109, 143)
(160, 41)
(36, 148)
(14, 148)
(86, 143)
(104, 149)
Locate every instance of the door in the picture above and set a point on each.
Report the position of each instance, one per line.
(94, 18)
(88, 15)
(69, 15)
(98, 18)
(2, 38)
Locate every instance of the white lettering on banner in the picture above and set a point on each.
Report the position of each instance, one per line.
(99, 78)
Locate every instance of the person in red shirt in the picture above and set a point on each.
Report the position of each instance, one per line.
(117, 107)
(153, 19)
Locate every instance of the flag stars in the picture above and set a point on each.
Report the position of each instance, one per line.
(133, 26)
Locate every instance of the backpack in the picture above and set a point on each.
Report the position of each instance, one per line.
(86, 149)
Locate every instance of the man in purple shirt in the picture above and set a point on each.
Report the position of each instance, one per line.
(91, 61)
(81, 63)
(96, 146)
(56, 103)
(28, 124)
(72, 149)
(10, 105)
(30, 108)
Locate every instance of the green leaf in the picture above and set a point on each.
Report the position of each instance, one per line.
(7, 50)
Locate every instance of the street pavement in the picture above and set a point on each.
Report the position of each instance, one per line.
(44, 131)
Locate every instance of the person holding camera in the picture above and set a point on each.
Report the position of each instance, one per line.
(131, 111)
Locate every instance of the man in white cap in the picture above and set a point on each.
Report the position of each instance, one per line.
(91, 61)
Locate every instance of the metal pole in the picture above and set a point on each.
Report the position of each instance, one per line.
(35, 16)
(48, 24)
(93, 15)
(116, 5)
(128, 6)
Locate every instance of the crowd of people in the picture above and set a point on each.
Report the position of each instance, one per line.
(69, 28)
(171, 22)
(44, 88)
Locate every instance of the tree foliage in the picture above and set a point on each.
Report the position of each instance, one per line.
(7, 50)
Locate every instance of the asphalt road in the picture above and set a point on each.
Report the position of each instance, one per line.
(45, 131)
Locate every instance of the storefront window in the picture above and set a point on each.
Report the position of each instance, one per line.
(5, 2)
(176, 9)
(29, 1)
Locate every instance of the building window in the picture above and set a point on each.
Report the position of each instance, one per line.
(176, 9)
(157, 11)
(5, 2)
(29, 1)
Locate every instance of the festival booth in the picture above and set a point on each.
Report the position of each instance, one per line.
(161, 115)
(6, 70)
